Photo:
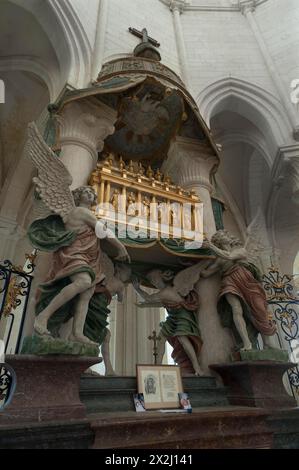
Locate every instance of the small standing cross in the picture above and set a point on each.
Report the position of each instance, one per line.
(155, 339)
(144, 36)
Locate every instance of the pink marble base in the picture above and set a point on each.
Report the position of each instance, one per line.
(47, 388)
(256, 383)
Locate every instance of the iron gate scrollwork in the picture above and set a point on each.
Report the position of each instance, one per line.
(15, 286)
(8, 382)
(285, 309)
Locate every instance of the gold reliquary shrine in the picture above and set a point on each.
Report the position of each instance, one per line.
(144, 200)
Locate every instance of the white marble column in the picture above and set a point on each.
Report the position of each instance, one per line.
(248, 9)
(130, 336)
(99, 46)
(177, 8)
(83, 129)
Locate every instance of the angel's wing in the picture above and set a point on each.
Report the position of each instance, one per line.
(40, 210)
(186, 279)
(256, 241)
(107, 266)
(53, 180)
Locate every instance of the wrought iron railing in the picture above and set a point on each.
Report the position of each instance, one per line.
(15, 286)
(284, 304)
(8, 381)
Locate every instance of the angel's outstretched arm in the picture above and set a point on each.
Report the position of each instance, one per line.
(234, 255)
(148, 298)
(105, 233)
(212, 269)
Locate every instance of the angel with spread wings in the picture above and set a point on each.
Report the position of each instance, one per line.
(72, 233)
(177, 294)
(242, 300)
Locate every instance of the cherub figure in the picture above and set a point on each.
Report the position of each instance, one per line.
(73, 235)
(242, 300)
(176, 293)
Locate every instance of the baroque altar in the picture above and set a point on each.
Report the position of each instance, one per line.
(125, 188)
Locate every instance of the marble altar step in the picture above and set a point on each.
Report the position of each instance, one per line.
(112, 394)
(206, 428)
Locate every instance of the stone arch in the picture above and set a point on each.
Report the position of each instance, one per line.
(260, 163)
(259, 128)
(34, 66)
(256, 143)
(258, 104)
(240, 227)
(67, 36)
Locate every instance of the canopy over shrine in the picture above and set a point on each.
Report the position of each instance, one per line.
(160, 149)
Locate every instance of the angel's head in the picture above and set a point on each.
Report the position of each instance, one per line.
(156, 278)
(85, 195)
(123, 272)
(236, 242)
(221, 238)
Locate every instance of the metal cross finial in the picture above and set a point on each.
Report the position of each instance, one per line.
(155, 339)
(144, 36)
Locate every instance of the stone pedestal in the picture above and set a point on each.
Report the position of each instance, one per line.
(47, 389)
(115, 394)
(219, 428)
(256, 383)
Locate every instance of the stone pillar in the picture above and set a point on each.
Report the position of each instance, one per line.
(133, 326)
(99, 47)
(177, 8)
(13, 195)
(126, 334)
(148, 320)
(83, 129)
(10, 234)
(290, 155)
(248, 9)
(190, 164)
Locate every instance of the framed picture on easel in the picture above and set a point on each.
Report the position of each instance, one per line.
(160, 386)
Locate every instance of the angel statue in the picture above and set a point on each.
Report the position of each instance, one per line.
(242, 301)
(176, 293)
(96, 325)
(72, 233)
